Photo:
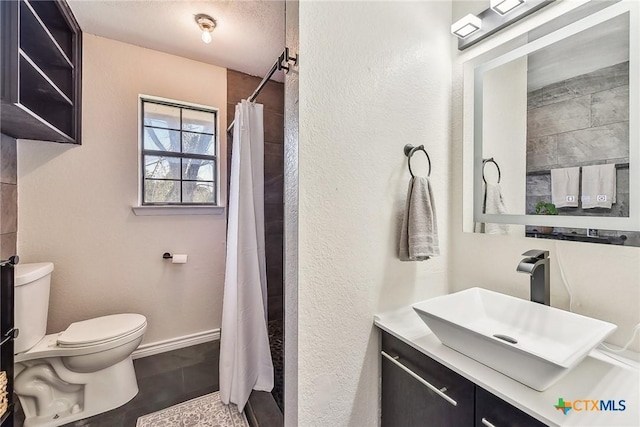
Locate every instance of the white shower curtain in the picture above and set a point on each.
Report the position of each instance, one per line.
(245, 357)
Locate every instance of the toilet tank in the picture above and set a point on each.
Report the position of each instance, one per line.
(32, 284)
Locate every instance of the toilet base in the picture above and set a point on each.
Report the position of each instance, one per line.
(104, 390)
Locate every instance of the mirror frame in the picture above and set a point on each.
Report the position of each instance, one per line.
(473, 134)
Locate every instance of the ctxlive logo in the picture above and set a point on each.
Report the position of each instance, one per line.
(590, 405)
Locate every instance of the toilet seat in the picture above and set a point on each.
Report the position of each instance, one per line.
(100, 330)
(117, 330)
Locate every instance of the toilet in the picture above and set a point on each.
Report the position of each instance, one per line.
(82, 371)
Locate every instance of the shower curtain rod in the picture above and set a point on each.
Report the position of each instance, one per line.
(284, 57)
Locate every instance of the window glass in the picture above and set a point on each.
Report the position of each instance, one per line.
(197, 169)
(156, 167)
(178, 155)
(161, 139)
(198, 121)
(198, 192)
(198, 143)
(161, 191)
(161, 116)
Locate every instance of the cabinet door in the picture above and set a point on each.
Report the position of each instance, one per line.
(418, 391)
(492, 411)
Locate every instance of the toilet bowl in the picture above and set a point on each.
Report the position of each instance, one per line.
(77, 373)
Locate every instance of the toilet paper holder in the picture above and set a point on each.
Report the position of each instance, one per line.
(175, 258)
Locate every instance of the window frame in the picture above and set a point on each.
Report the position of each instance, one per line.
(142, 152)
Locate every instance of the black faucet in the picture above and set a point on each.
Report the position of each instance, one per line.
(537, 266)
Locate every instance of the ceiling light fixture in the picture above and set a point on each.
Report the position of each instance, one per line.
(502, 7)
(466, 26)
(207, 24)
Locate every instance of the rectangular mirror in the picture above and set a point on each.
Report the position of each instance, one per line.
(556, 152)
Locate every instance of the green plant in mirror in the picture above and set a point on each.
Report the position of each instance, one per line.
(546, 208)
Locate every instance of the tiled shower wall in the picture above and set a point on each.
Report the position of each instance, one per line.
(241, 86)
(8, 197)
(578, 122)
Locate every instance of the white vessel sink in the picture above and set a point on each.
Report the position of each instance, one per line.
(529, 342)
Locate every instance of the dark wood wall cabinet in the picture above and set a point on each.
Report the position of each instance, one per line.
(7, 335)
(41, 71)
(417, 391)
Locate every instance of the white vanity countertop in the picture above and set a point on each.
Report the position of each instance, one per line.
(598, 377)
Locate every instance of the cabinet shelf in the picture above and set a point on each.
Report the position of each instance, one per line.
(19, 120)
(50, 88)
(36, 38)
(39, 45)
(41, 81)
(39, 96)
(55, 23)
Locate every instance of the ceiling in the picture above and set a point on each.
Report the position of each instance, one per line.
(249, 35)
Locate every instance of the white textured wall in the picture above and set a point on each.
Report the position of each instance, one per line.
(374, 76)
(75, 203)
(605, 279)
(291, 126)
(461, 8)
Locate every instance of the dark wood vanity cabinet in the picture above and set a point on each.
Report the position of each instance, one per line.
(40, 83)
(418, 391)
(407, 401)
(492, 411)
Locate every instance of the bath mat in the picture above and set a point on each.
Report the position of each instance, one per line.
(204, 411)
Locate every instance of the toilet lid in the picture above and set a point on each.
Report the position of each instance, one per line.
(28, 273)
(101, 329)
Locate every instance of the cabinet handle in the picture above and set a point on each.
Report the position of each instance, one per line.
(487, 423)
(420, 379)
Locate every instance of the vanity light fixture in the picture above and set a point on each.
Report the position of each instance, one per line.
(466, 26)
(207, 24)
(502, 7)
(499, 16)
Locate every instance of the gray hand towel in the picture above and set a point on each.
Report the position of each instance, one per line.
(419, 234)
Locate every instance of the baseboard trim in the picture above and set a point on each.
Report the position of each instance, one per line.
(176, 343)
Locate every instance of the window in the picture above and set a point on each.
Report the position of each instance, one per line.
(178, 153)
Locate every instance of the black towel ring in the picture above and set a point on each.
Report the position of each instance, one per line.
(409, 150)
(490, 160)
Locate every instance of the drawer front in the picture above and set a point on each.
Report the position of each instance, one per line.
(418, 391)
(492, 411)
